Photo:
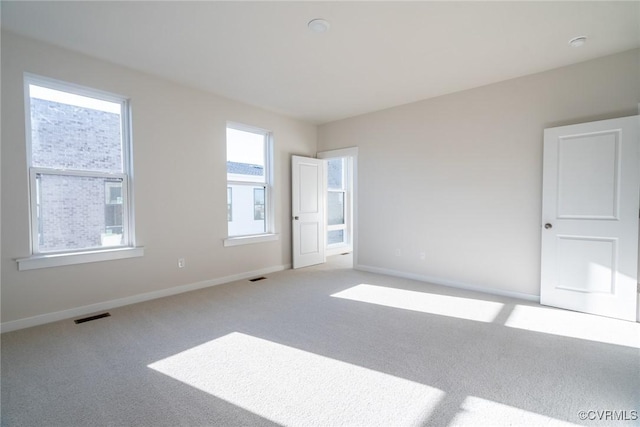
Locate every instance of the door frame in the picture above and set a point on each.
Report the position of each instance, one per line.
(352, 153)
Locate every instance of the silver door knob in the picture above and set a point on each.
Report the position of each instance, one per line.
(548, 226)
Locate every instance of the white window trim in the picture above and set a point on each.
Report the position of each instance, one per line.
(53, 259)
(71, 258)
(248, 240)
(270, 235)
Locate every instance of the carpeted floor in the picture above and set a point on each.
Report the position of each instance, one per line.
(324, 346)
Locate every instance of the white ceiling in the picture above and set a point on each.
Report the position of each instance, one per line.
(375, 56)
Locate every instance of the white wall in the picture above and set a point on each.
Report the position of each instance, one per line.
(179, 183)
(459, 177)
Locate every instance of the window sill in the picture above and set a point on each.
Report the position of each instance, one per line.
(56, 260)
(247, 240)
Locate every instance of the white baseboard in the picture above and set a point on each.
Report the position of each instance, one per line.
(449, 283)
(107, 305)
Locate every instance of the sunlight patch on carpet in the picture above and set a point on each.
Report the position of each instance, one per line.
(442, 305)
(295, 387)
(575, 325)
(475, 411)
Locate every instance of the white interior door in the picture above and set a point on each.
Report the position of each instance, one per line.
(590, 217)
(308, 210)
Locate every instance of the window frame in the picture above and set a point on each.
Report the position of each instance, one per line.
(345, 205)
(41, 259)
(269, 209)
(256, 204)
(109, 203)
(229, 203)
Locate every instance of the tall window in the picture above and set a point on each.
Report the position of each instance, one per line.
(258, 204)
(248, 175)
(79, 168)
(229, 204)
(113, 208)
(336, 202)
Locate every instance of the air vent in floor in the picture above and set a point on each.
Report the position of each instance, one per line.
(90, 318)
(257, 279)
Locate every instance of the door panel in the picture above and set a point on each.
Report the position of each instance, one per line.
(590, 217)
(309, 181)
(588, 168)
(309, 242)
(308, 201)
(586, 264)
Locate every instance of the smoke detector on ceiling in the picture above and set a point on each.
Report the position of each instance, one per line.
(319, 25)
(578, 41)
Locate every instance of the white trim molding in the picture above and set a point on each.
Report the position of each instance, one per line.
(107, 305)
(341, 152)
(448, 283)
(69, 258)
(247, 240)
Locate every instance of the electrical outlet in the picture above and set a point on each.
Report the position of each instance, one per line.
(423, 256)
(180, 262)
(398, 252)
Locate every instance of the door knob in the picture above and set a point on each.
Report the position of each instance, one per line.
(548, 226)
(296, 218)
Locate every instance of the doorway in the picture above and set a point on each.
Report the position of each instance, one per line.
(341, 205)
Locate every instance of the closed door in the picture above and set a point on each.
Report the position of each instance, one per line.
(590, 217)
(308, 211)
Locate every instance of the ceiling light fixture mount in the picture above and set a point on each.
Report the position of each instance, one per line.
(578, 41)
(319, 25)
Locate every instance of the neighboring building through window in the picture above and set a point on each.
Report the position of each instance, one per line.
(113, 209)
(79, 167)
(248, 176)
(258, 204)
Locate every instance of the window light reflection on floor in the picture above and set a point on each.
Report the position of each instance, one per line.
(475, 411)
(295, 387)
(443, 305)
(575, 325)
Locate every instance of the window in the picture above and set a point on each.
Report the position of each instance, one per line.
(113, 208)
(336, 198)
(79, 169)
(249, 177)
(258, 204)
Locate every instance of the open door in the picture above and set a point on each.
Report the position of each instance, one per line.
(308, 210)
(590, 207)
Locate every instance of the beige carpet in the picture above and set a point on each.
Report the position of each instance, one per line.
(324, 346)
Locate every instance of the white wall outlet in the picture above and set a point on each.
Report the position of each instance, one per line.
(423, 256)
(180, 262)
(398, 252)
